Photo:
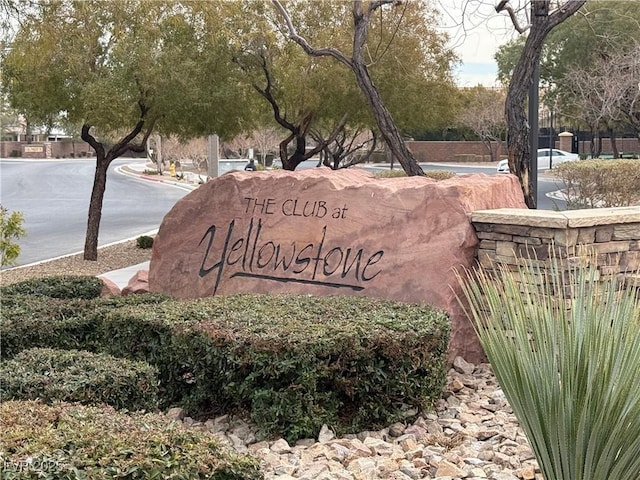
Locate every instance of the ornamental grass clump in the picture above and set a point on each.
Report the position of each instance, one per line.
(565, 347)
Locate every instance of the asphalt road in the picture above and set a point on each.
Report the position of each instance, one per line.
(53, 196)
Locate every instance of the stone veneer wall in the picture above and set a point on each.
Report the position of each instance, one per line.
(509, 234)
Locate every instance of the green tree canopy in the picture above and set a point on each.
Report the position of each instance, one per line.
(121, 72)
(407, 59)
(601, 28)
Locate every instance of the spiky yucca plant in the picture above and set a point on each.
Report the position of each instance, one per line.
(565, 347)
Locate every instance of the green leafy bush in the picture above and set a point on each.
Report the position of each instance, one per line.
(600, 183)
(79, 376)
(62, 286)
(10, 230)
(35, 321)
(144, 242)
(293, 362)
(356, 363)
(74, 442)
(570, 374)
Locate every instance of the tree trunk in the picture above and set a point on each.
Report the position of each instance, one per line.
(298, 156)
(103, 160)
(95, 206)
(518, 131)
(614, 144)
(385, 123)
(488, 144)
(27, 132)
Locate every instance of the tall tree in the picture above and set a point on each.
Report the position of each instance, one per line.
(309, 93)
(483, 113)
(593, 43)
(297, 123)
(122, 72)
(367, 48)
(542, 19)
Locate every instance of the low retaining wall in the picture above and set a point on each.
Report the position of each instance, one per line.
(62, 149)
(508, 235)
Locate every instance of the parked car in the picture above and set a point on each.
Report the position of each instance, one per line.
(547, 158)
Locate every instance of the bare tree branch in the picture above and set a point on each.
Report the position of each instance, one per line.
(383, 117)
(293, 35)
(504, 5)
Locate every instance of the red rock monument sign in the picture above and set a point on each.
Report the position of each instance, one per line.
(322, 232)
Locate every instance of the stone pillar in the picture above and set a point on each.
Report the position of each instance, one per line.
(566, 141)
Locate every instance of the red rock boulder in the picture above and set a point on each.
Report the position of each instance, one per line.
(326, 232)
(139, 283)
(109, 288)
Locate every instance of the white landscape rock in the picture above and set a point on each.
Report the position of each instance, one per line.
(472, 435)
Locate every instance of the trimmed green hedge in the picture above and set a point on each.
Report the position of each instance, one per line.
(292, 362)
(36, 321)
(79, 376)
(73, 442)
(62, 286)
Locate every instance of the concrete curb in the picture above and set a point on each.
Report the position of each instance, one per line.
(149, 233)
(132, 172)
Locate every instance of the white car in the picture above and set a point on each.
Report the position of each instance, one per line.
(547, 158)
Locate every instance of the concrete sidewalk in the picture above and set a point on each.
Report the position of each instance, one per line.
(121, 277)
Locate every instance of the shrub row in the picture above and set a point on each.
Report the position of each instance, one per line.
(79, 376)
(435, 174)
(601, 183)
(293, 362)
(63, 286)
(39, 321)
(73, 442)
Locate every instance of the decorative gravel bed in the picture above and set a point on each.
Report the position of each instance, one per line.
(110, 258)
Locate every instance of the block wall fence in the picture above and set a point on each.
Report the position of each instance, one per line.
(612, 234)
